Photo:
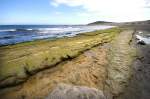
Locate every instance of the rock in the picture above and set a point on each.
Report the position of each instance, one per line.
(63, 91)
(26, 59)
(120, 57)
(141, 42)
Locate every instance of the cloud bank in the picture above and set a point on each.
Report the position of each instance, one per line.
(111, 10)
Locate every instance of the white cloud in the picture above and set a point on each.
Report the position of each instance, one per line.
(117, 10)
(55, 4)
(147, 4)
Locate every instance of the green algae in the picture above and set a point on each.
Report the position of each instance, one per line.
(22, 60)
(120, 56)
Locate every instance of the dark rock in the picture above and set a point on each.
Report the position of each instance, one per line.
(141, 43)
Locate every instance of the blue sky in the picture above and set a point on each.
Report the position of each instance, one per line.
(72, 11)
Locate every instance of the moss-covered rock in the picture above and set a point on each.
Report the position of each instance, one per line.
(121, 56)
(20, 61)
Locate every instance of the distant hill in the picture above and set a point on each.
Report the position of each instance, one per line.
(146, 22)
(101, 23)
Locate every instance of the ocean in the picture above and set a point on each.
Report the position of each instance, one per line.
(12, 34)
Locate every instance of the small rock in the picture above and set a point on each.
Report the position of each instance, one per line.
(141, 42)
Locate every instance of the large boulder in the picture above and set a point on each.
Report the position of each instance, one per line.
(63, 91)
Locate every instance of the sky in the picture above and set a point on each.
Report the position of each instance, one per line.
(72, 11)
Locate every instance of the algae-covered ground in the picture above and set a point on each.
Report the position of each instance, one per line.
(119, 69)
(86, 70)
(20, 61)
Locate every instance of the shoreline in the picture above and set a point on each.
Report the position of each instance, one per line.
(24, 60)
(26, 33)
(108, 68)
(90, 69)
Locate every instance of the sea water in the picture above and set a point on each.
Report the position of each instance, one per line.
(12, 34)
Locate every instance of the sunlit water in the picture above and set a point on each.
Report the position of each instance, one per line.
(12, 34)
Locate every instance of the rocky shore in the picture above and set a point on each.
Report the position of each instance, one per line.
(20, 61)
(138, 87)
(119, 69)
(99, 65)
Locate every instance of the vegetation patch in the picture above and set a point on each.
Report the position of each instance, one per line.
(18, 62)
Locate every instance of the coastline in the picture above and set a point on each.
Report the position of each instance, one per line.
(20, 61)
(75, 49)
(11, 35)
(106, 68)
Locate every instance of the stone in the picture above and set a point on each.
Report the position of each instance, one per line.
(64, 91)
